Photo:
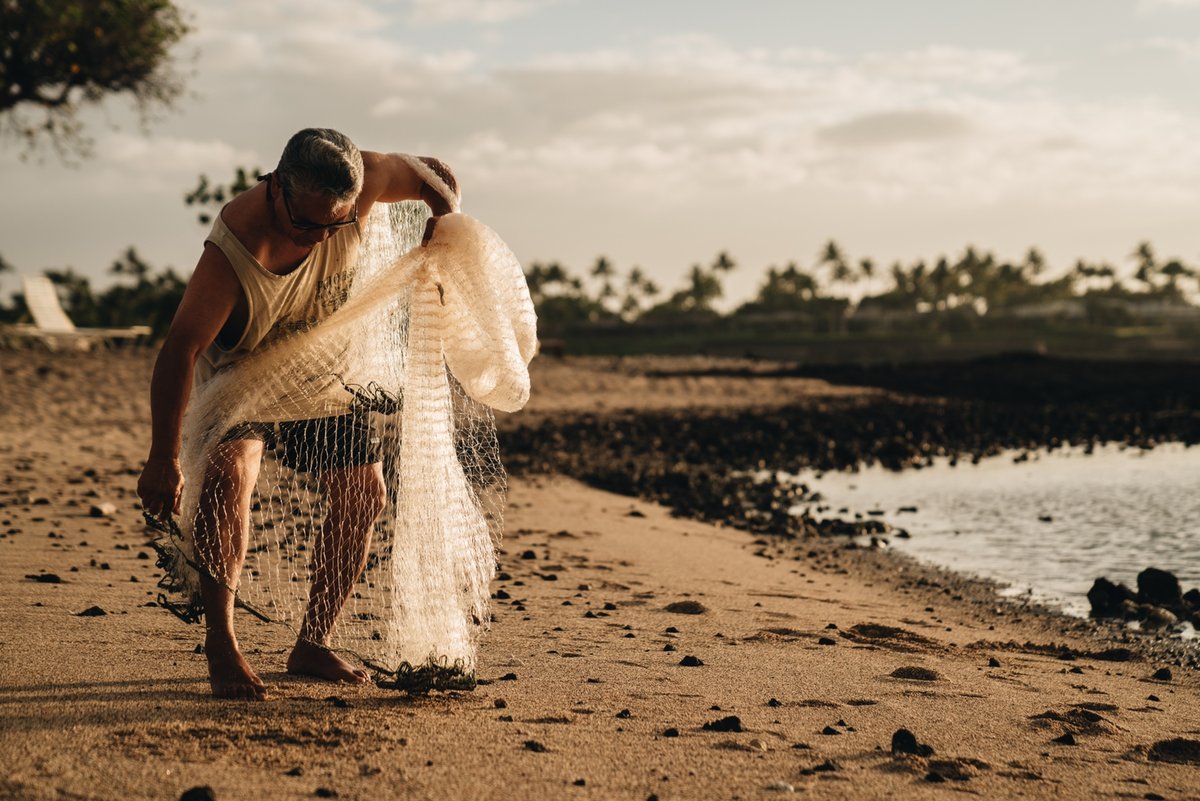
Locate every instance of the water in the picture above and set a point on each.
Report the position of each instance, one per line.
(1047, 526)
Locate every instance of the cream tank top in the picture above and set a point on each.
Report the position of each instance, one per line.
(282, 304)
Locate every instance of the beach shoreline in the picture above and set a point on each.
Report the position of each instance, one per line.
(821, 651)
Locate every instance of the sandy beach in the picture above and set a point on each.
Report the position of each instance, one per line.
(635, 654)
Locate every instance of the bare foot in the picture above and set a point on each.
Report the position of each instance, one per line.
(310, 659)
(228, 672)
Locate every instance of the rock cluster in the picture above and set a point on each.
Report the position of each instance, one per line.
(1158, 603)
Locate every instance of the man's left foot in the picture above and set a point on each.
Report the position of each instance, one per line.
(309, 659)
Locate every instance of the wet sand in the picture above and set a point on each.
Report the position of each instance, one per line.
(821, 653)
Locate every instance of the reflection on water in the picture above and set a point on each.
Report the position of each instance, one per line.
(1049, 525)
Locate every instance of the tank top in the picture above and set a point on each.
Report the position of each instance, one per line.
(278, 305)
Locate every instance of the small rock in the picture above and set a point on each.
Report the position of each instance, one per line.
(1066, 739)
(325, 792)
(730, 723)
(781, 787)
(45, 578)
(509, 677)
(830, 731)
(103, 510)
(296, 771)
(915, 673)
(91, 611)
(686, 608)
(669, 647)
(204, 793)
(690, 661)
(671, 732)
(529, 555)
(905, 742)
(624, 714)
(535, 746)
(500, 703)
(993, 662)
(757, 745)
(1162, 674)
(580, 782)
(934, 776)
(774, 702)
(826, 641)
(1153, 698)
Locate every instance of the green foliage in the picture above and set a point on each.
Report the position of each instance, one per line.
(57, 56)
(211, 197)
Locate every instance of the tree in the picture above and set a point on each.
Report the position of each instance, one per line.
(211, 197)
(57, 56)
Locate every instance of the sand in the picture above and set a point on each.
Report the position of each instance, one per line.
(822, 655)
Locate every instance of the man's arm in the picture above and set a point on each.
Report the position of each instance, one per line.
(207, 302)
(388, 178)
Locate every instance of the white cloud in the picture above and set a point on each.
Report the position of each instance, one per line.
(1187, 50)
(434, 12)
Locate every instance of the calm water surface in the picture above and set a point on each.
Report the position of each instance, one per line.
(1048, 526)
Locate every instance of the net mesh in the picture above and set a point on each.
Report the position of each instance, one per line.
(345, 480)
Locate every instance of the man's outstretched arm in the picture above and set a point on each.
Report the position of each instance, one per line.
(389, 178)
(207, 302)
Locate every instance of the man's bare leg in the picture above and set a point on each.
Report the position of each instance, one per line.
(356, 496)
(221, 538)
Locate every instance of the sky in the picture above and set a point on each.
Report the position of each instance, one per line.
(660, 132)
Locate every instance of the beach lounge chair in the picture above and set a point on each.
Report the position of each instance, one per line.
(52, 327)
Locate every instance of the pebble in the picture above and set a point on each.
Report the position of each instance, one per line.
(1162, 674)
(103, 509)
(91, 611)
(729, 723)
(671, 732)
(535, 746)
(686, 608)
(204, 793)
(690, 661)
(781, 787)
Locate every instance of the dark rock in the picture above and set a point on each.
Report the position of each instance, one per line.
(690, 661)
(669, 647)
(509, 677)
(580, 782)
(610, 606)
(500, 703)
(730, 723)
(1153, 698)
(830, 731)
(826, 641)
(624, 714)
(1177, 750)
(915, 673)
(325, 792)
(204, 793)
(1162, 674)
(1065, 739)
(91, 611)
(535, 746)
(934, 776)
(529, 555)
(905, 742)
(1192, 599)
(993, 662)
(774, 702)
(686, 608)
(45, 578)
(671, 732)
(296, 771)
(1160, 588)
(1106, 597)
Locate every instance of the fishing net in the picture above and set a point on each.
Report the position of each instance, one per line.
(358, 459)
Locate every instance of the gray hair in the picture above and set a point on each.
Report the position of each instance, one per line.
(322, 161)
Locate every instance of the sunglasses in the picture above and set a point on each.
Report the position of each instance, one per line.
(305, 225)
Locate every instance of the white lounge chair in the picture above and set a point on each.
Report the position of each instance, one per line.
(54, 328)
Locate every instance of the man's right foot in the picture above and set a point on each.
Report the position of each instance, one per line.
(228, 673)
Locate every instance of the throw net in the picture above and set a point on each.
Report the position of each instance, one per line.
(356, 461)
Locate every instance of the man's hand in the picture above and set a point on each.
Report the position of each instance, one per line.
(161, 486)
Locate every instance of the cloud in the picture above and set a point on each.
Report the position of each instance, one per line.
(1185, 50)
(893, 127)
(481, 12)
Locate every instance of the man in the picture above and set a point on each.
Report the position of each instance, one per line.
(278, 260)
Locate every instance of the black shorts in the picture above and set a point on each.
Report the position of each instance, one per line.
(310, 446)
